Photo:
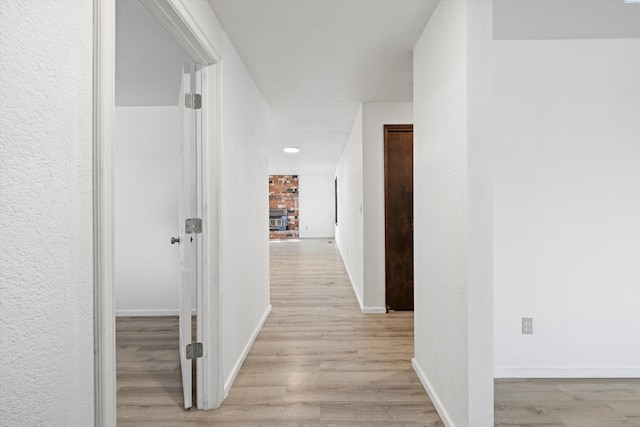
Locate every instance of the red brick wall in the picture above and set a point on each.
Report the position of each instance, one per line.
(283, 193)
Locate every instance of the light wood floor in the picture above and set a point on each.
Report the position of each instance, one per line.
(567, 402)
(319, 362)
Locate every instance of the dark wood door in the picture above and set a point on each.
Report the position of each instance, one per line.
(398, 197)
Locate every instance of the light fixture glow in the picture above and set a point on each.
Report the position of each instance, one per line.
(291, 149)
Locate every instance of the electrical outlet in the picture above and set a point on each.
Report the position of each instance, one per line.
(527, 325)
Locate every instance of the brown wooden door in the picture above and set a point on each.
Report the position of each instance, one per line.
(398, 196)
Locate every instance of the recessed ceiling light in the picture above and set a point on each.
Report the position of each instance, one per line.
(291, 149)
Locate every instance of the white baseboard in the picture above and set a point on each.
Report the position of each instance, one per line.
(444, 415)
(353, 284)
(502, 372)
(363, 309)
(373, 310)
(317, 238)
(236, 368)
(355, 292)
(152, 312)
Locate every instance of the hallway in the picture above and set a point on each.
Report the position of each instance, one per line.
(318, 360)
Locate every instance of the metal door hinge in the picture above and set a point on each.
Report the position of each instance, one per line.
(193, 101)
(194, 350)
(193, 226)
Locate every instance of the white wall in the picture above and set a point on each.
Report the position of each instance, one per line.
(452, 211)
(317, 201)
(349, 232)
(147, 178)
(362, 165)
(149, 62)
(46, 256)
(244, 203)
(374, 117)
(567, 150)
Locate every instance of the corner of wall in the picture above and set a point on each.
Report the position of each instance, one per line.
(433, 395)
(453, 288)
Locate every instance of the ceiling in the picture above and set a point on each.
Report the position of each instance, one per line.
(315, 61)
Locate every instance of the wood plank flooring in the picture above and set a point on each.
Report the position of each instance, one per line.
(317, 362)
(567, 402)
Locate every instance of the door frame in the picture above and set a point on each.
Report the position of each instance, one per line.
(180, 19)
(387, 129)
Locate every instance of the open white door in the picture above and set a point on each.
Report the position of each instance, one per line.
(187, 238)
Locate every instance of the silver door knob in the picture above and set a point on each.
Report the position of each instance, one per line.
(175, 240)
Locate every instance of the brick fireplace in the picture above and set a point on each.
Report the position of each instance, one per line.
(283, 207)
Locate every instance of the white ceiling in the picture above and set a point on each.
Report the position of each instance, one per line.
(315, 61)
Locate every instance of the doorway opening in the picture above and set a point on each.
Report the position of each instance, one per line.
(284, 210)
(201, 42)
(155, 189)
(156, 255)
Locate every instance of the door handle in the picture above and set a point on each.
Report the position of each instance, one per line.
(175, 240)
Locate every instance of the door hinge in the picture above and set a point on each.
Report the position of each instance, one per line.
(193, 226)
(194, 350)
(193, 101)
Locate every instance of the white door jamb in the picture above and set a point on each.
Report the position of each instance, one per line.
(104, 43)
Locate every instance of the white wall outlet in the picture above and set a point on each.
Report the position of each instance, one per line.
(527, 325)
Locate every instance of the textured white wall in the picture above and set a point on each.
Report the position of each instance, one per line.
(244, 203)
(46, 278)
(452, 211)
(317, 201)
(567, 150)
(349, 229)
(374, 117)
(147, 178)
